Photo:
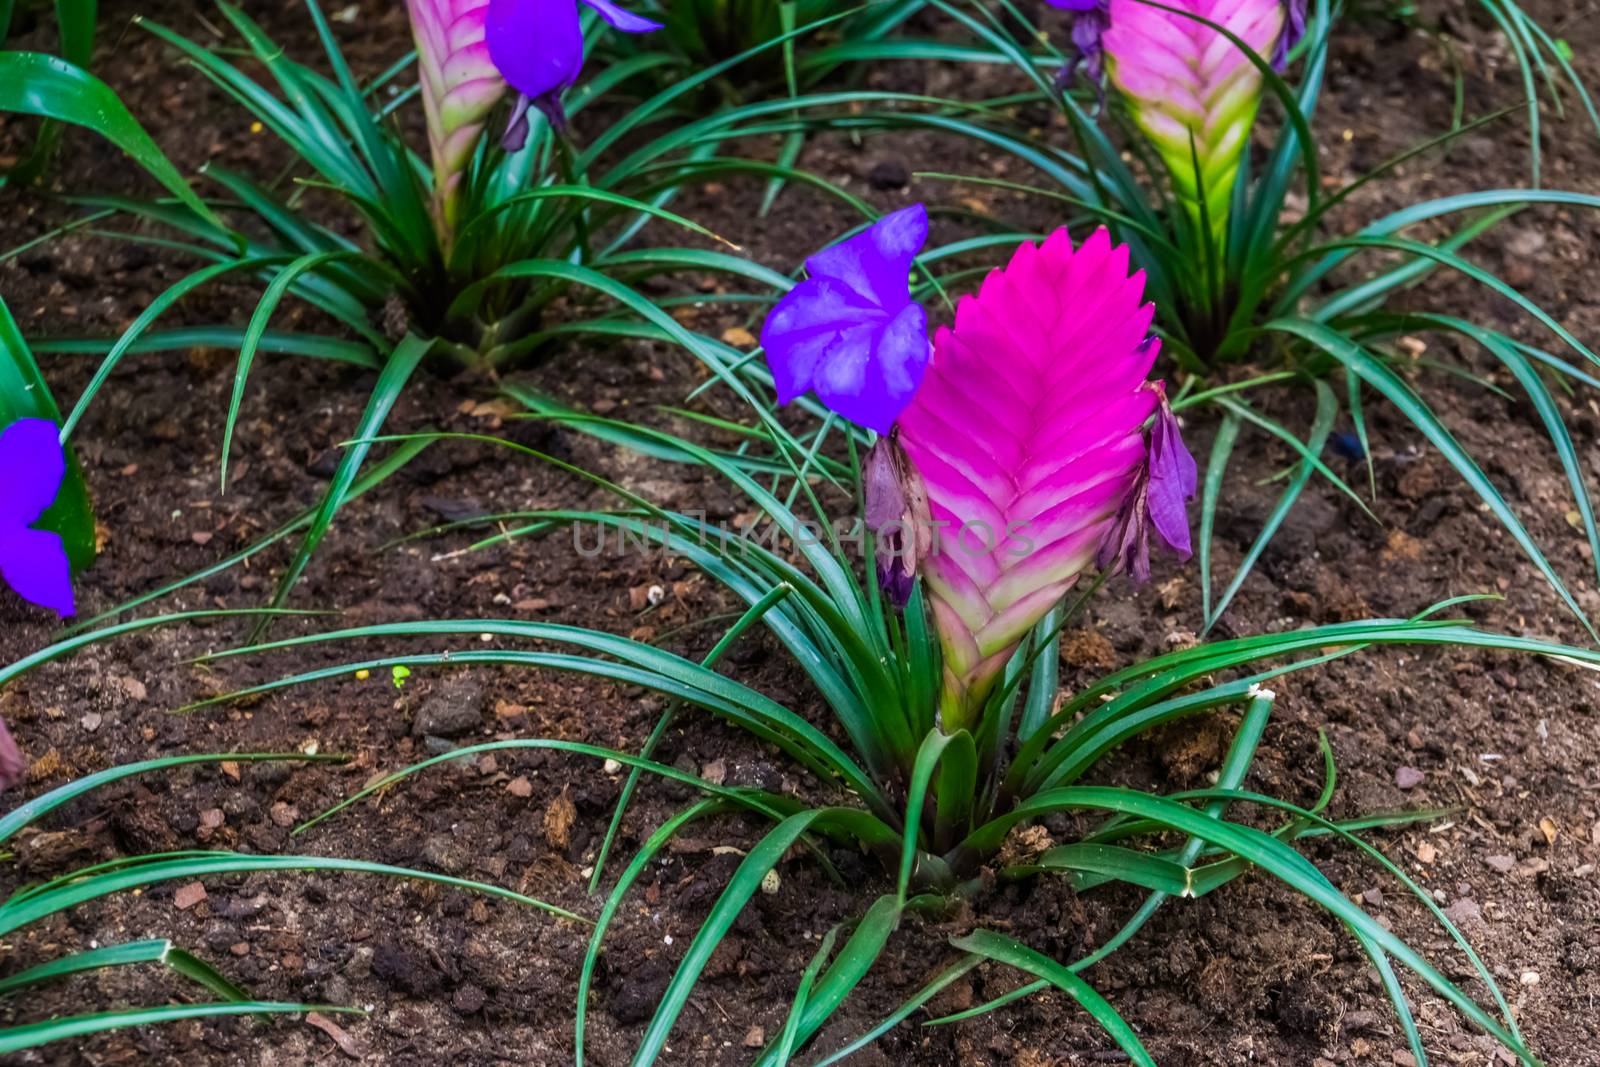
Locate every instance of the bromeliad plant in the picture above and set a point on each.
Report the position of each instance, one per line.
(459, 256)
(1029, 438)
(1241, 272)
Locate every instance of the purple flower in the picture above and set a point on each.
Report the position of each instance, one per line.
(851, 332)
(33, 562)
(537, 45)
(1093, 18)
(1174, 478)
(1167, 482)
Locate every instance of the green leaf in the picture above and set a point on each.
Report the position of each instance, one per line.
(35, 84)
(1003, 949)
(855, 959)
(403, 362)
(1272, 856)
(761, 859)
(1216, 471)
(1321, 426)
(70, 892)
(636, 866)
(160, 951)
(751, 616)
(31, 1035)
(35, 809)
(1398, 393)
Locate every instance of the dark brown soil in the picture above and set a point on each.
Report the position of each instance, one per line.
(1248, 975)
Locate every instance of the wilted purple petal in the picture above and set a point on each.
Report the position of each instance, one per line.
(515, 138)
(12, 764)
(1167, 481)
(1127, 546)
(851, 332)
(1087, 29)
(1174, 478)
(897, 512)
(1293, 31)
(1092, 19)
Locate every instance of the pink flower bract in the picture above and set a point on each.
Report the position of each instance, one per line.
(1183, 80)
(1028, 432)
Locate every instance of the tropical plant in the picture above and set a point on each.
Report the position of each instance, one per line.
(1031, 416)
(461, 257)
(1246, 277)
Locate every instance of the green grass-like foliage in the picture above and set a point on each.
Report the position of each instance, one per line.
(934, 808)
(75, 26)
(531, 225)
(31, 904)
(1304, 306)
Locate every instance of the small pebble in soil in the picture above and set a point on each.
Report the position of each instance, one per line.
(437, 746)
(889, 174)
(188, 896)
(452, 709)
(1408, 777)
(468, 1000)
(1503, 864)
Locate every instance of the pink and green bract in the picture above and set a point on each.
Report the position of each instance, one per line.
(1193, 91)
(469, 51)
(460, 87)
(1029, 435)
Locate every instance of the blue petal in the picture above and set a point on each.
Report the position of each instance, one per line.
(869, 376)
(803, 325)
(626, 21)
(32, 465)
(537, 45)
(876, 264)
(34, 563)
